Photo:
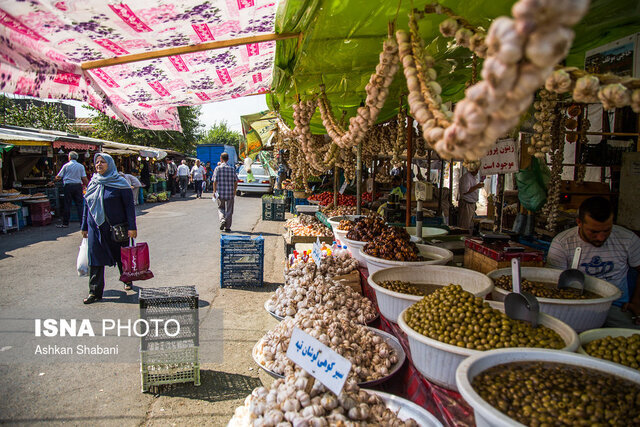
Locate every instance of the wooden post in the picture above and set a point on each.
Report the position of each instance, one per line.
(428, 165)
(359, 180)
(373, 178)
(440, 186)
(409, 161)
(335, 186)
(451, 188)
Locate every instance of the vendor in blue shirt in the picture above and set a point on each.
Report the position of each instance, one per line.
(73, 177)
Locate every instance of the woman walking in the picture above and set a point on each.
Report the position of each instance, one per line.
(109, 221)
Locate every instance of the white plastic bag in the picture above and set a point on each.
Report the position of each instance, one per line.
(82, 264)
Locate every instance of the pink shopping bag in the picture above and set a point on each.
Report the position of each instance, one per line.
(135, 262)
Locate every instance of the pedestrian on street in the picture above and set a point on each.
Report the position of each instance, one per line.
(198, 174)
(209, 175)
(135, 185)
(183, 178)
(469, 189)
(73, 177)
(225, 184)
(109, 206)
(172, 170)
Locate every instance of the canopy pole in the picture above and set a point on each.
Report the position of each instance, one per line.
(451, 187)
(440, 187)
(163, 53)
(335, 186)
(359, 179)
(409, 161)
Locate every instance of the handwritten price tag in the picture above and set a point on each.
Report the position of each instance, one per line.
(316, 252)
(324, 364)
(343, 187)
(503, 158)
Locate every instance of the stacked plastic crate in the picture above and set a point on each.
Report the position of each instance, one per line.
(241, 261)
(273, 208)
(169, 352)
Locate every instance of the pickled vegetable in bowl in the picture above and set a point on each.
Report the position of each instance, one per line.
(544, 289)
(408, 288)
(620, 349)
(547, 393)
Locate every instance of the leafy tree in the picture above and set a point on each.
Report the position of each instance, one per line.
(115, 130)
(220, 133)
(46, 116)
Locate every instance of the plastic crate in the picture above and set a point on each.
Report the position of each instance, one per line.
(273, 211)
(241, 260)
(169, 299)
(40, 214)
(277, 192)
(241, 244)
(169, 367)
(243, 277)
(296, 202)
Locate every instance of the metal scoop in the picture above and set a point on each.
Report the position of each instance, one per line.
(572, 277)
(519, 305)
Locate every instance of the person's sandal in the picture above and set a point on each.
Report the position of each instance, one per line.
(128, 286)
(91, 299)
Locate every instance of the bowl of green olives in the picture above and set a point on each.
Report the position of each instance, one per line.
(618, 345)
(581, 312)
(525, 386)
(451, 324)
(397, 288)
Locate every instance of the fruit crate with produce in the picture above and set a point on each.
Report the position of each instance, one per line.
(241, 261)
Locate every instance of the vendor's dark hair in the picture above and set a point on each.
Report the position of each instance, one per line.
(224, 156)
(597, 207)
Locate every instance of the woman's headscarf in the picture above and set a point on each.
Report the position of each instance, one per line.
(95, 189)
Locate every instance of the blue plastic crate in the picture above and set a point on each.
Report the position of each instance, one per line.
(239, 242)
(248, 276)
(295, 202)
(230, 260)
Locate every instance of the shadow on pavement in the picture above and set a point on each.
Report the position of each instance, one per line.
(251, 233)
(215, 387)
(266, 287)
(131, 297)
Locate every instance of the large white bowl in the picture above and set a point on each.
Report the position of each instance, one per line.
(487, 415)
(340, 235)
(439, 256)
(406, 409)
(580, 314)
(427, 231)
(438, 361)
(335, 220)
(595, 334)
(355, 246)
(391, 303)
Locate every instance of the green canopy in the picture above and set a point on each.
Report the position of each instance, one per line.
(3, 148)
(343, 38)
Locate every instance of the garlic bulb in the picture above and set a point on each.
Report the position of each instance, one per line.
(548, 46)
(503, 41)
(559, 82)
(448, 27)
(614, 96)
(463, 37)
(586, 89)
(635, 101)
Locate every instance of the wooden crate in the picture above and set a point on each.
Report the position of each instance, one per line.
(352, 280)
(476, 261)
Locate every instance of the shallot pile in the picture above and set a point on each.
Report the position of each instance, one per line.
(304, 293)
(307, 225)
(367, 229)
(291, 402)
(370, 355)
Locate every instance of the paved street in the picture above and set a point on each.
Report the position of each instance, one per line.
(38, 275)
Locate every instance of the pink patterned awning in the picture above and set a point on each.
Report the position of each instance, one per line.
(43, 44)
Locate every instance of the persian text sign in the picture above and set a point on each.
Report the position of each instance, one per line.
(503, 158)
(324, 364)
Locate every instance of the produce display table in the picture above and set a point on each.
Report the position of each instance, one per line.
(448, 406)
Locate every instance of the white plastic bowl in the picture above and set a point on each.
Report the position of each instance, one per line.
(438, 361)
(355, 246)
(439, 256)
(595, 334)
(427, 231)
(335, 220)
(340, 235)
(487, 415)
(391, 303)
(580, 314)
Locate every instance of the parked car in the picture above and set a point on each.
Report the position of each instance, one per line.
(263, 183)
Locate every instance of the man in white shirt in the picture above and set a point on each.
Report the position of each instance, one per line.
(469, 188)
(608, 251)
(183, 178)
(73, 177)
(197, 175)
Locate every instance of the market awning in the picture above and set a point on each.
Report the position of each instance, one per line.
(75, 145)
(119, 148)
(187, 53)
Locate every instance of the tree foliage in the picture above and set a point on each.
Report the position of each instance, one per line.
(46, 116)
(115, 130)
(220, 133)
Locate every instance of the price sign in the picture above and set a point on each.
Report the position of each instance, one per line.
(343, 187)
(316, 252)
(503, 158)
(324, 364)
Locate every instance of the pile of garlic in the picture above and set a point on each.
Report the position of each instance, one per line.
(464, 36)
(371, 357)
(336, 264)
(521, 54)
(544, 115)
(304, 292)
(293, 402)
(377, 91)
